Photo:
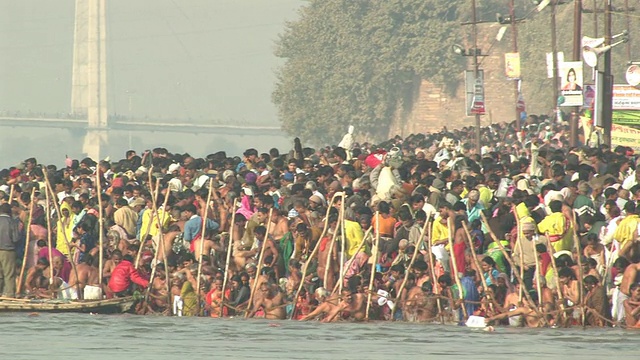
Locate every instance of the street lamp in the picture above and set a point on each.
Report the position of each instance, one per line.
(477, 106)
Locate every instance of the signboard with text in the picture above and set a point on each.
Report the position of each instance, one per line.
(474, 89)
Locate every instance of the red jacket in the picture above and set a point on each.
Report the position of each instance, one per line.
(122, 276)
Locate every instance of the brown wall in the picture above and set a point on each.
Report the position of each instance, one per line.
(433, 108)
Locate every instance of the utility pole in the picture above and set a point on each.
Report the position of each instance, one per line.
(607, 99)
(554, 55)
(577, 51)
(475, 70)
(514, 29)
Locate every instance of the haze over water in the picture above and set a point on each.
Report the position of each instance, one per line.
(199, 59)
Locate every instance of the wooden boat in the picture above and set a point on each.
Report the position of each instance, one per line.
(110, 306)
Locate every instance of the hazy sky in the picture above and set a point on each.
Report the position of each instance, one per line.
(199, 59)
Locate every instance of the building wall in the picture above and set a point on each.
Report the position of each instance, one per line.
(433, 108)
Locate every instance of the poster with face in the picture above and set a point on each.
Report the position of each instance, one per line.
(571, 83)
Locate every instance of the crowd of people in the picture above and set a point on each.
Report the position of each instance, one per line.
(528, 231)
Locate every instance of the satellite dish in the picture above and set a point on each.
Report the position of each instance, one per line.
(633, 75)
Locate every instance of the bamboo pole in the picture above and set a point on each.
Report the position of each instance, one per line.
(154, 210)
(49, 242)
(519, 243)
(310, 257)
(485, 286)
(373, 264)
(433, 276)
(510, 261)
(408, 269)
(343, 245)
(160, 248)
(100, 225)
(554, 266)
(259, 268)
(333, 240)
(538, 275)
(455, 269)
(64, 233)
(229, 247)
(26, 243)
(576, 240)
(202, 233)
(11, 193)
(351, 258)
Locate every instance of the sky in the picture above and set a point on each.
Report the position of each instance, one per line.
(203, 60)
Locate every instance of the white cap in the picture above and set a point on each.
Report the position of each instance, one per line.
(173, 167)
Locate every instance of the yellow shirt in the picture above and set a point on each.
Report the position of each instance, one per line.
(554, 225)
(150, 226)
(627, 229)
(439, 231)
(354, 236)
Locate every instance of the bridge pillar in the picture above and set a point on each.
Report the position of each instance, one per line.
(94, 141)
(89, 77)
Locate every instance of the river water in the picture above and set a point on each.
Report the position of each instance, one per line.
(67, 336)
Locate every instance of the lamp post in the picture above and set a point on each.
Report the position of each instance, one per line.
(607, 98)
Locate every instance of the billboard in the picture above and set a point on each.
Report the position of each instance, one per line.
(571, 83)
(626, 97)
(512, 66)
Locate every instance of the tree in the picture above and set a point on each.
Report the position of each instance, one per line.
(355, 61)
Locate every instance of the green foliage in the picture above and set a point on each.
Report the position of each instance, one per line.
(355, 61)
(359, 61)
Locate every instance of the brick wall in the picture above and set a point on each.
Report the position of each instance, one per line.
(433, 108)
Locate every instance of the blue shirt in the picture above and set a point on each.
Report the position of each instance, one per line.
(193, 227)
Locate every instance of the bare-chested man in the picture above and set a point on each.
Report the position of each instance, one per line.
(531, 317)
(631, 275)
(279, 226)
(207, 247)
(324, 255)
(632, 306)
(110, 264)
(352, 307)
(420, 305)
(87, 281)
(270, 302)
(36, 278)
(271, 254)
(327, 304)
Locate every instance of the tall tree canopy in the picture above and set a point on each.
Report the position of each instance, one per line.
(356, 61)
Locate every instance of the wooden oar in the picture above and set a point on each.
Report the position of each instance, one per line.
(202, 233)
(259, 268)
(310, 257)
(229, 247)
(374, 252)
(26, 243)
(455, 269)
